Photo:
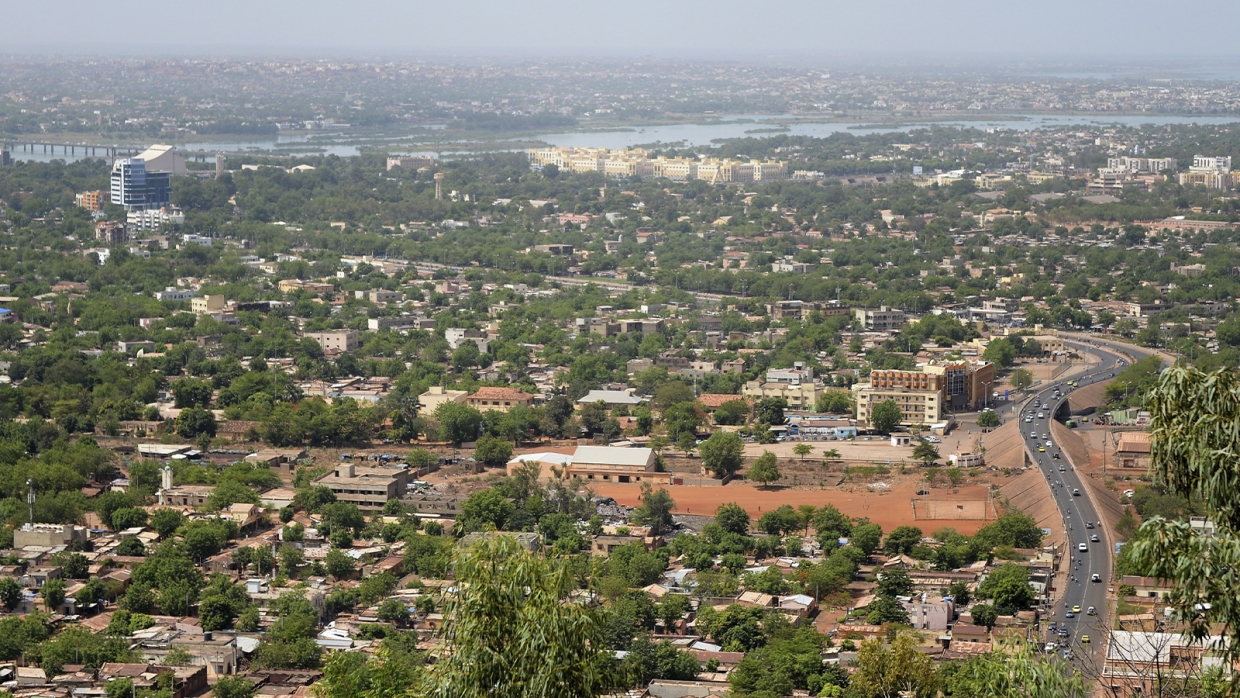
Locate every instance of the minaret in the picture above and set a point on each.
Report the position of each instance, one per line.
(438, 186)
(165, 482)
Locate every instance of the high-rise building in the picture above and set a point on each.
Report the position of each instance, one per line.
(137, 189)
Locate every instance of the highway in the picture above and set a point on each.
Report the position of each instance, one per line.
(1082, 524)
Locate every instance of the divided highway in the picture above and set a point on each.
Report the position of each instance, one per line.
(1089, 554)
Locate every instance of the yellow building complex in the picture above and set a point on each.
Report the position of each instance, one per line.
(637, 162)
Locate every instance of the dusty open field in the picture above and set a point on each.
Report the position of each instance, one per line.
(888, 509)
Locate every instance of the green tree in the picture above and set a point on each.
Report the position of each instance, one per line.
(721, 453)
(233, 687)
(890, 671)
(191, 392)
(392, 611)
(166, 521)
(770, 410)
(802, 450)
(53, 593)
(902, 539)
(485, 509)
(732, 413)
(1000, 352)
(893, 583)
(458, 423)
(1014, 672)
(988, 419)
(593, 415)
(866, 537)
(732, 518)
(128, 517)
(10, 593)
(510, 633)
(493, 451)
(655, 510)
(1008, 587)
(765, 469)
(835, 402)
(1021, 378)
(338, 564)
(925, 452)
(885, 416)
(984, 614)
(194, 422)
(885, 609)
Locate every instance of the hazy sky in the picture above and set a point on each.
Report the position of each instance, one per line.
(940, 31)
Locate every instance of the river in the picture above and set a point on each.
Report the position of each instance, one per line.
(346, 144)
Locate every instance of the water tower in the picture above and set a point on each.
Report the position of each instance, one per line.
(438, 186)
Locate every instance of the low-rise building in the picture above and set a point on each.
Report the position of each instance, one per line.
(368, 488)
(336, 340)
(48, 535)
(499, 399)
(882, 319)
(436, 395)
(207, 305)
(799, 396)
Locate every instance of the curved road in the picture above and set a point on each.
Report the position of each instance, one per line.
(1082, 524)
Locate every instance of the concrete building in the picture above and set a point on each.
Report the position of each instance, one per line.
(111, 232)
(1209, 172)
(437, 395)
(799, 396)
(1135, 165)
(207, 305)
(615, 464)
(175, 294)
(637, 162)
(799, 373)
(498, 399)
(48, 535)
(934, 615)
(92, 200)
(916, 406)
(456, 336)
(155, 218)
(380, 296)
(964, 385)
(368, 488)
(400, 322)
(336, 340)
(410, 162)
(881, 319)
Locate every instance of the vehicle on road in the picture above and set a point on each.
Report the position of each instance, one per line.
(1076, 492)
(1069, 614)
(1089, 524)
(1094, 538)
(1090, 611)
(1096, 578)
(1041, 449)
(1084, 639)
(1083, 548)
(1076, 609)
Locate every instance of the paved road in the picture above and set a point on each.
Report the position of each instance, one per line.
(1077, 509)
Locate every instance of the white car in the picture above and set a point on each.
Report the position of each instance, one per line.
(1082, 548)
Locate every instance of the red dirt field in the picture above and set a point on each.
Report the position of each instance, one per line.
(887, 509)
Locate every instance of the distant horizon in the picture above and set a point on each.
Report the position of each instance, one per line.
(781, 30)
(1082, 65)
